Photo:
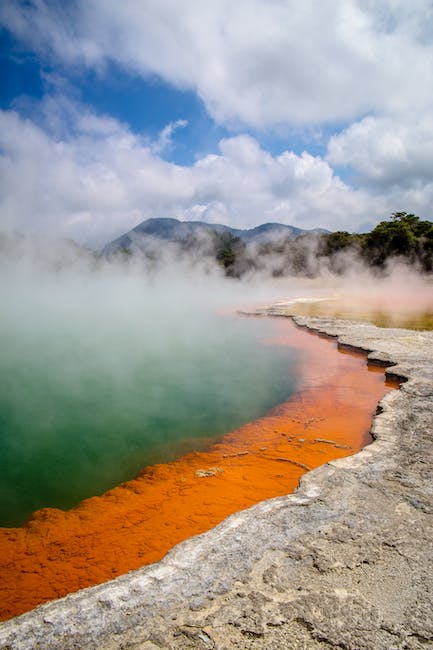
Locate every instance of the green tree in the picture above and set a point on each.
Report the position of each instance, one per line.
(335, 242)
(394, 238)
(229, 251)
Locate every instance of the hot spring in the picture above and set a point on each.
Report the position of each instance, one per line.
(105, 372)
(149, 390)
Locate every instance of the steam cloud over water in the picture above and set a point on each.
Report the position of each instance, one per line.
(107, 366)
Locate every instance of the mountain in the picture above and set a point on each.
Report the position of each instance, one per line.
(269, 232)
(188, 232)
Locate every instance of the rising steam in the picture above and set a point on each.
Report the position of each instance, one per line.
(111, 363)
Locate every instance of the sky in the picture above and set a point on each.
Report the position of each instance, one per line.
(315, 114)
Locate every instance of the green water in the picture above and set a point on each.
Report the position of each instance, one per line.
(86, 402)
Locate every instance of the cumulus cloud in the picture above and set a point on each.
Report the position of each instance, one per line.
(387, 150)
(97, 180)
(284, 65)
(255, 62)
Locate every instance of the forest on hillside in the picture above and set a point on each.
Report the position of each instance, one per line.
(404, 237)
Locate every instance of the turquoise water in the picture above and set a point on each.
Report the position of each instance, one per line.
(96, 386)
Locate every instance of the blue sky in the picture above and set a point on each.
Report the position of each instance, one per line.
(146, 104)
(237, 113)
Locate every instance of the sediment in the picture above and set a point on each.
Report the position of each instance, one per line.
(344, 562)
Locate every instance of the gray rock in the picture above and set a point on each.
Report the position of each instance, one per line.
(344, 562)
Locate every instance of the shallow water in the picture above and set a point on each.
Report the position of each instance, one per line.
(380, 315)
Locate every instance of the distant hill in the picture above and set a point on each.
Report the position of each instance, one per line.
(174, 230)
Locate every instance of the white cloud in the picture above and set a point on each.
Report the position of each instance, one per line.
(268, 64)
(255, 62)
(101, 180)
(387, 151)
(164, 141)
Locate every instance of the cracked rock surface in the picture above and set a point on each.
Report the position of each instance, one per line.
(344, 562)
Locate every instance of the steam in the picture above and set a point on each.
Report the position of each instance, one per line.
(108, 366)
(111, 363)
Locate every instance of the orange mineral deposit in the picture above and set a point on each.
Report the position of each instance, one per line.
(136, 523)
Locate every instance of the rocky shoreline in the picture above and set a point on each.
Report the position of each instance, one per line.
(344, 562)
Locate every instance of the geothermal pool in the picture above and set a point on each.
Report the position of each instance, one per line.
(327, 416)
(138, 411)
(78, 418)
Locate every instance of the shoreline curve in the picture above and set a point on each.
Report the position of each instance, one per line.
(345, 561)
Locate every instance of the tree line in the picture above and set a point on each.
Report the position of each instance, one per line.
(404, 237)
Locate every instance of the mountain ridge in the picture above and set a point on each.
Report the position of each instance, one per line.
(170, 229)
